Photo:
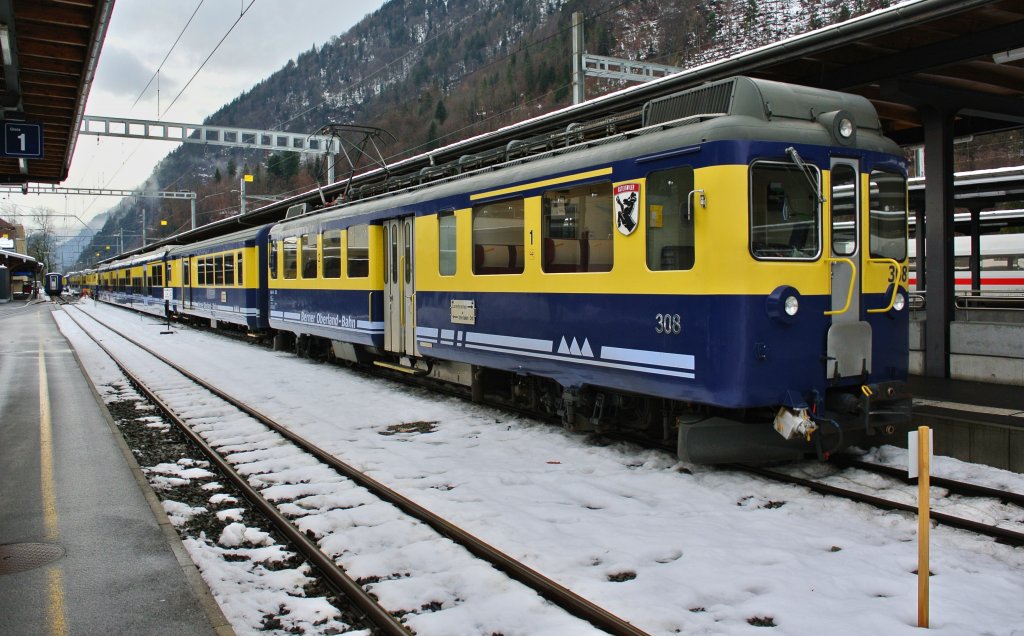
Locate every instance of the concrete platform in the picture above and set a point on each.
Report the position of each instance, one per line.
(84, 546)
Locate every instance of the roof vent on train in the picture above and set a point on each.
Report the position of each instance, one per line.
(296, 210)
(709, 100)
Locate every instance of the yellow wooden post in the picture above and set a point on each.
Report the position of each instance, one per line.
(923, 522)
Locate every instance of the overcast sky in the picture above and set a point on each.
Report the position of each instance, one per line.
(141, 34)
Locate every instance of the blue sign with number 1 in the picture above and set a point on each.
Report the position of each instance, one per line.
(23, 140)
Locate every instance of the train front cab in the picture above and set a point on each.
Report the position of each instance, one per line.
(837, 333)
(54, 284)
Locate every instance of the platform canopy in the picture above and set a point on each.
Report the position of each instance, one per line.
(19, 262)
(50, 50)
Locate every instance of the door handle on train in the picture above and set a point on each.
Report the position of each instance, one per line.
(849, 291)
(895, 282)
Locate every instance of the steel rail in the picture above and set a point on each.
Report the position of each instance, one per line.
(374, 612)
(953, 486)
(1002, 535)
(555, 592)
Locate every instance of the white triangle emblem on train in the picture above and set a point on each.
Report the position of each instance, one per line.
(575, 349)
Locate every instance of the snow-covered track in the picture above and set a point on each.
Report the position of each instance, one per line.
(374, 612)
(907, 489)
(550, 590)
(951, 485)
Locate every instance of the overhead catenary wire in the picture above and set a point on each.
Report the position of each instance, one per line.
(189, 82)
(171, 50)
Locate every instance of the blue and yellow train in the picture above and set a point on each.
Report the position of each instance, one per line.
(730, 277)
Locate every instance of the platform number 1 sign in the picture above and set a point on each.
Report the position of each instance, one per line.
(23, 140)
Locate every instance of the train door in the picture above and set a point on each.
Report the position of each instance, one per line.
(849, 337)
(186, 282)
(399, 292)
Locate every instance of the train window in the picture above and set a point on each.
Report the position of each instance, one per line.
(888, 220)
(844, 210)
(200, 271)
(331, 245)
(670, 244)
(185, 275)
(168, 276)
(498, 237)
(446, 243)
(576, 229)
(308, 257)
(358, 251)
(218, 270)
(272, 257)
(229, 269)
(393, 258)
(238, 268)
(408, 252)
(784, 212)
(157, 276)
(290, 257)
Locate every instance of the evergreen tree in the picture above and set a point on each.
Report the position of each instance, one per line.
(432, 136)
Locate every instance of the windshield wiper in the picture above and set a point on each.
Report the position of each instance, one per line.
(795, 156)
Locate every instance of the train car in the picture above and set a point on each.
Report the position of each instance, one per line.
(1002, 263)
(732, 277)
(326, 282)
(54, 284)
(75, 282)
(136, 282)
(82, 283)
(222, 280)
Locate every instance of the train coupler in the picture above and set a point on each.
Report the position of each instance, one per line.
(794, 423)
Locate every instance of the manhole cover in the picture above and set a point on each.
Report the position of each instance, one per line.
(18, 557)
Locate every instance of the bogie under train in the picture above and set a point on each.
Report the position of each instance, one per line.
(731, 277)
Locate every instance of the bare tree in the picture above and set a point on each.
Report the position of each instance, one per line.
(42, 241)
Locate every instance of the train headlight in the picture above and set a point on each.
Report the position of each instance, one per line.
(841, 125)
(783, 304)
(845, 128)
(792, 305)
(900, 302)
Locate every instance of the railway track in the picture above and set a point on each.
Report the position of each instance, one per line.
(176, 397)
(1002, 530)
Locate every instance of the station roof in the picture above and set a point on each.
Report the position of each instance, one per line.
(966, 56)
(14, 260)
(50, 51)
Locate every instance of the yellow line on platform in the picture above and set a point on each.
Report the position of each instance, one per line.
(55, 616)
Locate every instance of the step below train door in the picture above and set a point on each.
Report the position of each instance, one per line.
(399, 290)
(849, 337)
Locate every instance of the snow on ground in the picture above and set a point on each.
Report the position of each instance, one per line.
(671, 548)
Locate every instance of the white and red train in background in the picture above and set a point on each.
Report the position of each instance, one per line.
(1002, 263)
